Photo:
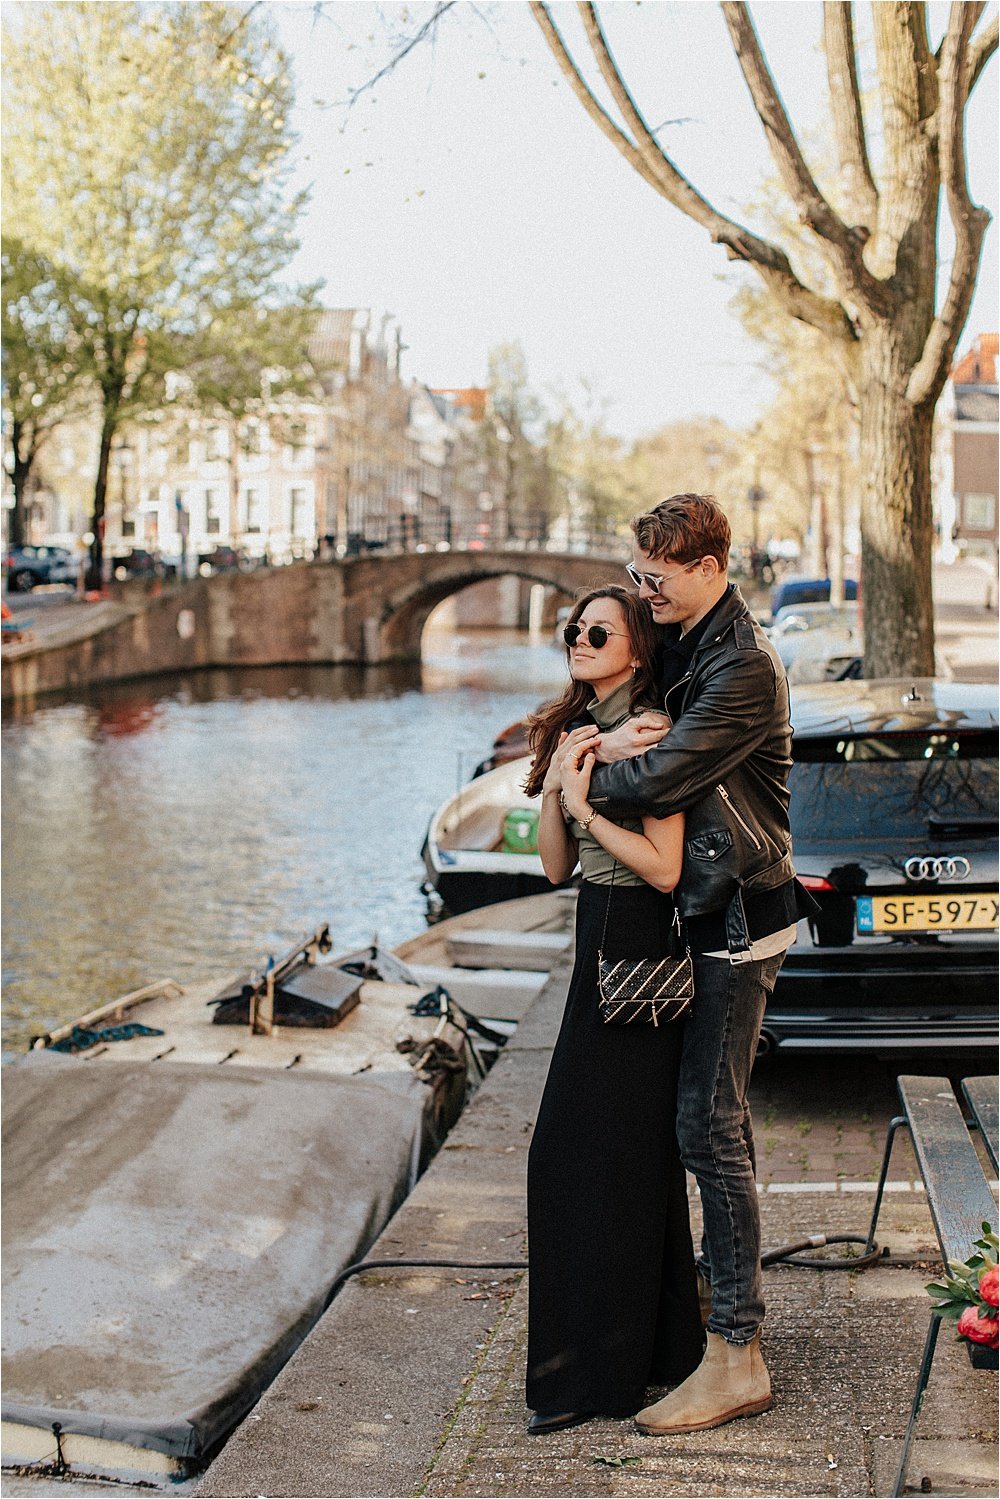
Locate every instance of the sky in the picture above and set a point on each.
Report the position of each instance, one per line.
(469, 195)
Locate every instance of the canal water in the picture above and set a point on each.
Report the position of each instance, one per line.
(187, 826)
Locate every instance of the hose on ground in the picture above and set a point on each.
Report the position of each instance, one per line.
(796, 1253)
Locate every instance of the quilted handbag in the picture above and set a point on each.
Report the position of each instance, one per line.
(643, 991)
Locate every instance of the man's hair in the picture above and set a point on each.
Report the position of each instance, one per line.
(684, 528)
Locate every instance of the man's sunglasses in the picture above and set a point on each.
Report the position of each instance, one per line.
(597, 635)
(654, 581)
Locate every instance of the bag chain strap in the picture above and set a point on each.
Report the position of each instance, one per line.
(677, 923)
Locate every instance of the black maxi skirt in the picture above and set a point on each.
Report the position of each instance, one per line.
(612, 1296)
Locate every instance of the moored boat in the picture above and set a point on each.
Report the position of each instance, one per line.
(182, 1192)
(482, 843)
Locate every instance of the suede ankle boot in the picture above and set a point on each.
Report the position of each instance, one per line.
(731, 1381)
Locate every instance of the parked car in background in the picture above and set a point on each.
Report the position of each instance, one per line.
(817, 642)
(136, 562)
(223, 559)
(894, 823)
(807, 591)
(32, 566)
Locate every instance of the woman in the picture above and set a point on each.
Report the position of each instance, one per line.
(613, 1304)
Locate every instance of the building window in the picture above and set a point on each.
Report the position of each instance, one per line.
(296, 443)
(213, 523)
(979, 512)
(252, 497)
(215, 444)
(297, 502)
(251, 441)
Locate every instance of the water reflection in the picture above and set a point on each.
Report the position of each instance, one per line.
(187, 826)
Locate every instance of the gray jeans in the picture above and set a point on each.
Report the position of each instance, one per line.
(715, 1133)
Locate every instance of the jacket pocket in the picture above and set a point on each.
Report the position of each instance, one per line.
(709, 846)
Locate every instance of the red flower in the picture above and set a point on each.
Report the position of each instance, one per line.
(976, 1328)
(988, 1285)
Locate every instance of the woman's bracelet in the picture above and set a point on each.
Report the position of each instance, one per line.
(586, 821)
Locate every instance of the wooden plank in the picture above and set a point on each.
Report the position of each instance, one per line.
(496, 948)
(958, 1193)
(114, 1011)
(982, 1098)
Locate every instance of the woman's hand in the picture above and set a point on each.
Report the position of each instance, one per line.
(577, 767)
(553, 781)
(566, 743)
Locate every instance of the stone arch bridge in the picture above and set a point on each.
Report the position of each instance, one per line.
(364, 610)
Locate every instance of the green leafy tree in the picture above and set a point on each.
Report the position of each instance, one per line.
(147, 158)
(46, 382)
(876, 302)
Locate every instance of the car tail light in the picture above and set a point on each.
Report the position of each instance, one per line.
(815, 882)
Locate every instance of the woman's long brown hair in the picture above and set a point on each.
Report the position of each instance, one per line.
(545, 726)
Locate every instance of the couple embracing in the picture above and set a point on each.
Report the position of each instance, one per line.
(663, 769)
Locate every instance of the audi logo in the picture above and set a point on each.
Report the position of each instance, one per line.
(954, 867)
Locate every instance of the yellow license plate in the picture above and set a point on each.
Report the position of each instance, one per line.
(927, 913)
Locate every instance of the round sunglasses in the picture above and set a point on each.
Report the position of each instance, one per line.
(596, 635)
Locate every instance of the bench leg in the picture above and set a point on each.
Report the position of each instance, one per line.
(918, 1397)
(894, 1125)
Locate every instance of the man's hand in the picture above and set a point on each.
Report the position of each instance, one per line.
(634, 737)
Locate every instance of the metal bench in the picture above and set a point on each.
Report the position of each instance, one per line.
(958, 1192)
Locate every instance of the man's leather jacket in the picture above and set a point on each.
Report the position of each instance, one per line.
(724, 763)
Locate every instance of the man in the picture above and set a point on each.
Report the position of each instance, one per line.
(725, 763)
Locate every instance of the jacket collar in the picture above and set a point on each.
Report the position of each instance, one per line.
(732, 607)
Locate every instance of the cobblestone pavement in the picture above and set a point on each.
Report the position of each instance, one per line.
(841, 1348)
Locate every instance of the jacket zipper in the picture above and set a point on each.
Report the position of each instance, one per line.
(681, 682)
(743, 824)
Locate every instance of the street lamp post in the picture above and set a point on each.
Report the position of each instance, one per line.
(817, 511)
(755, 498)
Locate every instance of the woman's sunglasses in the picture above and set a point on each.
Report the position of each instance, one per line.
(597, 635)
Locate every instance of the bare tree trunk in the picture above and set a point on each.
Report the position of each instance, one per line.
(24, 456)
(95, 567)
(896, 524)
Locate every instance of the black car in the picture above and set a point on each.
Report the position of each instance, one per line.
(33, 566)
(894, 822)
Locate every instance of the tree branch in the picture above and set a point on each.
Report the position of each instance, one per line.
(970, 222)
(659, 172)
(842, 248)
(909, 94)
(675, 186)
(848, 119)
(588, 99)
(355, 94)
(981, 49)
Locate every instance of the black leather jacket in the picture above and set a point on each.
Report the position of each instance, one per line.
(725, 764)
